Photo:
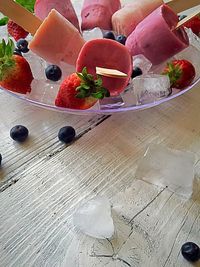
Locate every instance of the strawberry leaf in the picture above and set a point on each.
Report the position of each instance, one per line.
(4, 21)
(90, 86)
(6, 53)
(28, 4)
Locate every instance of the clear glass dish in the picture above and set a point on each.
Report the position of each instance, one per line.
(125, 102)
(106, 108)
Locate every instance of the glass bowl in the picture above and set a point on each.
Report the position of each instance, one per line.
(44, 92)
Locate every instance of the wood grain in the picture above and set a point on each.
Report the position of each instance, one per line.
(43, 141)
(152, 223)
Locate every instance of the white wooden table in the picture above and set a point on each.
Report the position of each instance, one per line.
(43, 181)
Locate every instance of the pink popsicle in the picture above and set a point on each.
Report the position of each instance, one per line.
(126, 19)
(57, 40)
(64, 7)
(109, 54)
(156, 38)
(98, 13)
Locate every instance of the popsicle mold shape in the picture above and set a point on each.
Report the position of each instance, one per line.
(156, 37)
(57, 40)
(64, 7)
(105, 53)
(98, 13)
(125, 20)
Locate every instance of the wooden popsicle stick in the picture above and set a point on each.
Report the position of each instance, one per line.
(20, 15)
(189, 17)
(181, 5)
(112, 73)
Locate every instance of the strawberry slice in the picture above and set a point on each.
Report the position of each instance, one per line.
(16, 31)
(194, 24)
(15, 72)
(80, 91)
(181, 73)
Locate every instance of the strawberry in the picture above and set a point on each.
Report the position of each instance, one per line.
(181, 73)
(194, 24)
(16, 31)
(15, 72)
(80, 91)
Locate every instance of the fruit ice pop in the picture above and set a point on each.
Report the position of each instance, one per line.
(112, 55)
(57, 40)
(64, 7)
(98, 13)
(126, 19)
(156, 37)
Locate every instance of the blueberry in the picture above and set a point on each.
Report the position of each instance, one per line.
(66, 134)
(0, 159)
(190, 251)
(53, 73)
(17, 52)
(182, 17)
(109, 35)
(136, 72)
(121, 39)
(22, 45)
(19, 133)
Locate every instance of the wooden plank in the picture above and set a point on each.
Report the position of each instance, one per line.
(43, 126)
(36, 226)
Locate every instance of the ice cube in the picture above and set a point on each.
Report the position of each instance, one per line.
(167, 167)
(94, 218)
(43, 91)
(192, 54)
(151, 87)
(128, 96)
(95, 33)
(142, 62)
(37, 65)
(193, 38)
(111, 102)
(66, 69)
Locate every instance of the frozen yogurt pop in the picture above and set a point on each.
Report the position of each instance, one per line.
(125, 20)
(112, 55)
(156, 37)
(55, 39)
(98, 13)
(64, 7)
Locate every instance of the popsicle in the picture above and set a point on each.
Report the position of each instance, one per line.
(98, 13)
(112, 55)
(156, 37)
(55, 39)
(64, 7)
(127, 18)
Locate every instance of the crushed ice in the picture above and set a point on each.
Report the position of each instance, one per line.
(94, 218)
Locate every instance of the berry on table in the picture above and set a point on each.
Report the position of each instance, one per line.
(66, 134)
(19, 133)
(22, 45)
(121, 39)
(136, 72)
(109, 35)
(53, 73)
(190, 251)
